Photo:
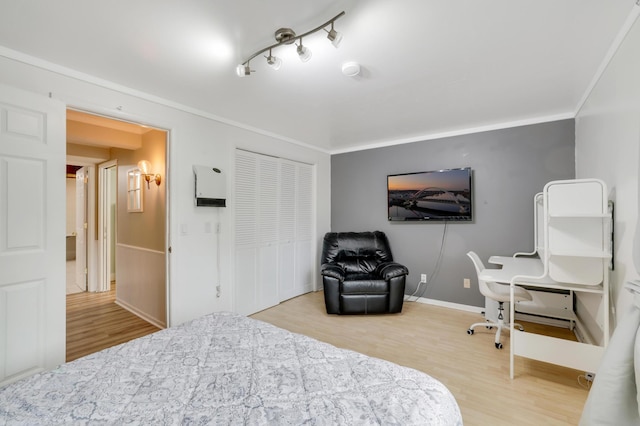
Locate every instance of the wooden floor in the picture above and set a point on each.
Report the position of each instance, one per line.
(428, 338)
(434, 340)
(95, 322)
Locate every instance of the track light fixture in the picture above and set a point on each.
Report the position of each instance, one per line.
(288, 36)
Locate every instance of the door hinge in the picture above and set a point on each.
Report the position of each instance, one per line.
(169, 249)
(85, 225)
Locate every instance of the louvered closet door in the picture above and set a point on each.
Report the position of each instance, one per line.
(296, 229)
(305, 218)
(274, 223)
(287, 221)
(256, 194)
(246, 200)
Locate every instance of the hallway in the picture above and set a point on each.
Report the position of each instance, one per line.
(96, 322)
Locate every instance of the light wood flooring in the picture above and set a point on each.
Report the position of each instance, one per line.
(95, 322)
(428, 338)
(434, 340)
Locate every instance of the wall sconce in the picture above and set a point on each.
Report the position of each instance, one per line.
(145, 170)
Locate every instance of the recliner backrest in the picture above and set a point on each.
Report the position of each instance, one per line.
(356, 252)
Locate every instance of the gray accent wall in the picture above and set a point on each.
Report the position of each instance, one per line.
(509, 167)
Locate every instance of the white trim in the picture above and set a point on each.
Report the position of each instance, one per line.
(139, 248)
(138, 313)
(458, 306)
(459, 132)
(68, 72)
(615, 45)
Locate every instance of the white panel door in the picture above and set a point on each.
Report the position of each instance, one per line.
(32, 233)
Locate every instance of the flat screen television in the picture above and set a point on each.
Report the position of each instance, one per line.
(437, 195)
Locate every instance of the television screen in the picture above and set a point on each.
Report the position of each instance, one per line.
(433, 196)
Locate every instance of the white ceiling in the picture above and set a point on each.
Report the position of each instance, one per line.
(428, 66)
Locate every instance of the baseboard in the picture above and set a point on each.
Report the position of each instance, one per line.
(140, 314)
(458, 306)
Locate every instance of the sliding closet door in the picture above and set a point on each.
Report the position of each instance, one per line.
(296, 229)
(273, 230)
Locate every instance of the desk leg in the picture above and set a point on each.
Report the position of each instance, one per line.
(512, 315)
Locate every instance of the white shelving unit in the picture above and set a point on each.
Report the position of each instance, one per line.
(573, 228)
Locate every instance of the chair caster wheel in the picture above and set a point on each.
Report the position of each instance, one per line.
(498, 345)
(489, 327)
(469, 331)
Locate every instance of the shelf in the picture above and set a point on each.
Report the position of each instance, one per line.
(558, 313)
(579, 216)
(595, 254)
(572, 227)
(584, 288)
(579, 356)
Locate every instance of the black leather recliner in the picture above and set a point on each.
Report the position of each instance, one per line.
(359, 274)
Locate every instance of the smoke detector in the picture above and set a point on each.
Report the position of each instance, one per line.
(351, 69)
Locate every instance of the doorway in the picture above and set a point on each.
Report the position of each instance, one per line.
(118, 246)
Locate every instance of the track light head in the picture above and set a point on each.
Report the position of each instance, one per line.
(273, 61)
(303, 52)
(335, 37)
(243, 70)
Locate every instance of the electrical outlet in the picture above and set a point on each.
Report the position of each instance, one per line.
(589, 376)
(423, 278)
(467, 283)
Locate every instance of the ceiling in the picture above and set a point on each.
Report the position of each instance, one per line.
(429, 67)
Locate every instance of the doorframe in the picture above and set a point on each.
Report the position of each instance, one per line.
(93, 109)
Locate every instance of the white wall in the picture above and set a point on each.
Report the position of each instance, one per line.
(194, 139)
(607, 147)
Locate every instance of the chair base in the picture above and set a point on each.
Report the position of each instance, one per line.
(500, 325)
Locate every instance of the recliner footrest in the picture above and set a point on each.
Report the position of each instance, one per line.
(364, 303)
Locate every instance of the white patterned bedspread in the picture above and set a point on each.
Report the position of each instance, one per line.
(227, 369)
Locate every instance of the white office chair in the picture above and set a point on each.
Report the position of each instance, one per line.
(499, 293)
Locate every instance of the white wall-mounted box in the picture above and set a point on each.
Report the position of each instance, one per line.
(210, 186)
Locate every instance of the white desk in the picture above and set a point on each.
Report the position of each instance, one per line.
(530, 272)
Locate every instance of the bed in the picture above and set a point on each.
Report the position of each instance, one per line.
(228, 369)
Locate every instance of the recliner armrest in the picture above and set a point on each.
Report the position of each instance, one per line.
(332, 270)
(390, 270)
